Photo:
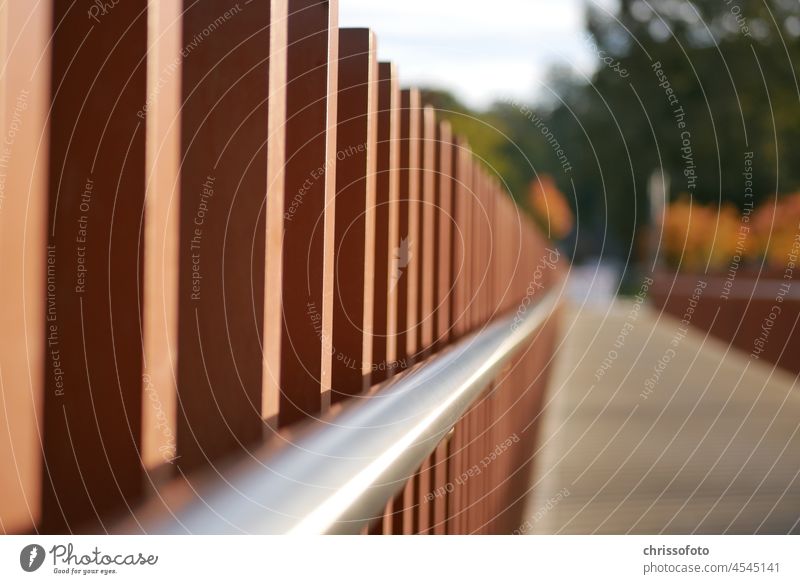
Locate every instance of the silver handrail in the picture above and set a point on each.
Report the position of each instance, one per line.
(338, 475)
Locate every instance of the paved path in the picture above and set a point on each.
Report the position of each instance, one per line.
(713, 446)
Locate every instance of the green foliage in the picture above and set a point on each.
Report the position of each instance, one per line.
(732, 68)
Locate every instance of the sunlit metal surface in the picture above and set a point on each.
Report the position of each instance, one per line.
(340, 473)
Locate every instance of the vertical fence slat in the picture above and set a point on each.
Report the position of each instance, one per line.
(460, 240)
(477, 250)
(161, 236)
(444, 228)
(458, 298)
(470, 482)
(224, 125)
(309, 180)
(442, 285)
(354, 239)
(440, 482)
(485, 248)
(427, 200)
(408, 297)
(389, 256)
(484, 420)
(497, 250)
(454, 470)
(426, 286)
(25, 100)
(469, 255)
(97, 160)
(481, 247)
(275, 207)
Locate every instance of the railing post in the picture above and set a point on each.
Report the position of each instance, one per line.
(25, 101)
(444, 181)
(224, 122)
(305, 229)
(161, 235)
(443, 257)
(354, 239)
(93, 383)
(390, 257)
(408, 297)
(410, 157)
(459, 304)
(427, 198)
(275, 209)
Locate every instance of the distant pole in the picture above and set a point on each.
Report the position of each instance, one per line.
(657, 191)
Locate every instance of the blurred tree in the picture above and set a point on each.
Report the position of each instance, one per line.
(731, 66)
(688, 86)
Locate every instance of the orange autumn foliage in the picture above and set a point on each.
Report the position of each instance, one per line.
(697, 236)
(550, 207)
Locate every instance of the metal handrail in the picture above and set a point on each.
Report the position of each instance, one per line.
(340, 474)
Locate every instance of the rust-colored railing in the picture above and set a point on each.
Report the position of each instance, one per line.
(220, 219)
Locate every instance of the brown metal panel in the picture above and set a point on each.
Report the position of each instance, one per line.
(24, 104)
(468, 484)
(354, 239)
(512, 231)
(408, 292)
(501, 228)
(426, 282)
(386, 523)
(494, 470)
(481, 251)
(480, 451)
(459, 265)
(472, 246)
(489, 252)
(309, 180)
(397, 519)
(410, 504)
(468, 234)
(487, 470)
(478, 247)
(224, 121)
(442, 284)
(454, 471)
(480, 482)
(389, 257)
(441, 482)
(445, 182)
(161, 230)
(427, 246)
(507, 221)
(451, 465)
(497, 243)
(407, 278)
(490, 243)
(93, 361)
(424, 504)
(276, 182)
(477, 250)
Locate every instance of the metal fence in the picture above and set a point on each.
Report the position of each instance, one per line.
(223, 230)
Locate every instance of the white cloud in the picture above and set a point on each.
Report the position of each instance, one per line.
(482, 50)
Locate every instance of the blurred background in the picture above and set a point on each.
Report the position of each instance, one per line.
(562, 100)
(655, 141)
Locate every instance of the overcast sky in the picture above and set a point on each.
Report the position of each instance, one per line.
(480, 49)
